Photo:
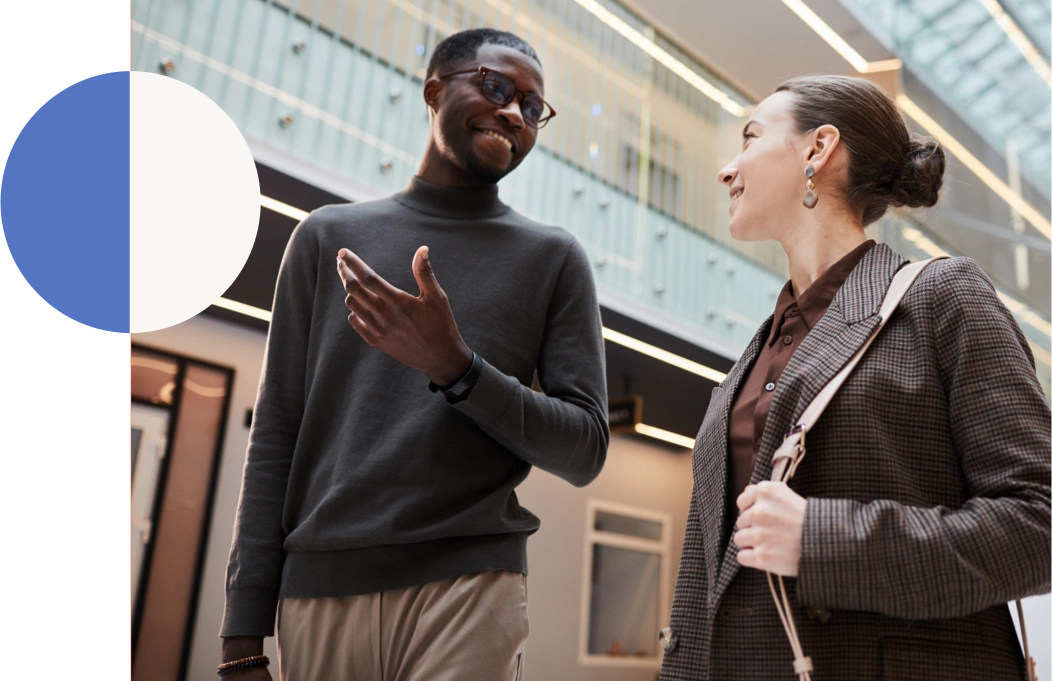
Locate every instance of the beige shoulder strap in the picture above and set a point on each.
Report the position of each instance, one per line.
(791, 452)
(786, 458)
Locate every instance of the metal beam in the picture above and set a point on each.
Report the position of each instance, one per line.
(929, 22)
(955, 42)
(974, 99)
(969, 68)
(1000, 232)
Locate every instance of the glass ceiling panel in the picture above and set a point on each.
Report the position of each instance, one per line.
(1035, 18)
(962, 54)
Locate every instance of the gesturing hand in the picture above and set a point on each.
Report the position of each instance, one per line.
(770, 528)
(418, 331)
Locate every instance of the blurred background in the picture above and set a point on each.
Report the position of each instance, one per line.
(652, 96)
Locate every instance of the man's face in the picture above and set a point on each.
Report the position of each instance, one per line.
(468, 128)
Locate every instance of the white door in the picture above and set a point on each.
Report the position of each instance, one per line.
(149, 427)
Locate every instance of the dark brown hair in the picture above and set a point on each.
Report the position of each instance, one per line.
(887, 166)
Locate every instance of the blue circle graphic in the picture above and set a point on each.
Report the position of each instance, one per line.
(65, 203)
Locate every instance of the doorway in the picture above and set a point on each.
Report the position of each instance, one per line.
(149, 431)
(179, 407)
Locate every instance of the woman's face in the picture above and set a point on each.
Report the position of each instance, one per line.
(766, 179)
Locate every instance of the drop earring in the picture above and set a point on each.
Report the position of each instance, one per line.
(810, 198)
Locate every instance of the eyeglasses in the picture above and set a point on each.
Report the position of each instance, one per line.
(499, 89)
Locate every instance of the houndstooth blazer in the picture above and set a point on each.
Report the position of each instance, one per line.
(928, 496)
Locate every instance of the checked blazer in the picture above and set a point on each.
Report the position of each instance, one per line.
(927, 482)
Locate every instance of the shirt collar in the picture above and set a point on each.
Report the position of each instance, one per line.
(813, 303)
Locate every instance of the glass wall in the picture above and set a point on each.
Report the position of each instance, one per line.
(628, 165)
(989, 61)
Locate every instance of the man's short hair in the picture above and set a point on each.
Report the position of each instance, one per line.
(465, 45)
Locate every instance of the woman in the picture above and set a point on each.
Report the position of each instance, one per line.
(923, 504)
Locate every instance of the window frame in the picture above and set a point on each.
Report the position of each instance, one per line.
(660, 547)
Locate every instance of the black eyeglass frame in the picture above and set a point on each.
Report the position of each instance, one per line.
(484, 70)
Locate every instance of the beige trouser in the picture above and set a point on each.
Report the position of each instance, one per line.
(471, 628)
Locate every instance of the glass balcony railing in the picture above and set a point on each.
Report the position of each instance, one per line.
(628, 166)
(907, 236)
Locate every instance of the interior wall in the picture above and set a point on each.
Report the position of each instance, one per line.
(636, 474)
(240, 348)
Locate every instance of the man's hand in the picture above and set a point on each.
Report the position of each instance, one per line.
(240, 647)
(770, 528)
(418, 331)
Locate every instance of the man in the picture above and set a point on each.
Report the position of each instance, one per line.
(378, 518)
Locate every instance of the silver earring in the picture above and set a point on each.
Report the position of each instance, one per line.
(810, 198)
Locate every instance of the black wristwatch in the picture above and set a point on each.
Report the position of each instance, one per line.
(459, 391)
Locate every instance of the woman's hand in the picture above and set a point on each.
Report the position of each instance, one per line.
(770, 528)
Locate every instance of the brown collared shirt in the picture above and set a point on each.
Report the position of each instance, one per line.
(793, 320)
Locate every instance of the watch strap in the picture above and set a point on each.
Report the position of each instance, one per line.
(460, 390)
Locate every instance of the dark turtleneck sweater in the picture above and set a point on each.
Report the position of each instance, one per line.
(358, 478)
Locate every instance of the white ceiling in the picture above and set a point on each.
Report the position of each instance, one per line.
(756, 44)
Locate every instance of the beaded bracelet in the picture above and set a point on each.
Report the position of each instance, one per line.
(244, 663)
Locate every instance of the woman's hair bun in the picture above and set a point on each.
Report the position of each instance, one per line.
(921, 177)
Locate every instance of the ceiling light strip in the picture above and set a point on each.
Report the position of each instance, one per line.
(1016, 35)
(885, 65)
(609, 334)
(665, 435)
(242, 308)
(1029, 213)
(641, 428)
(663, 355)
(833, 39)
(1025, 314)
(1040, 354)
(671, 63)
(922, 242)
(283, 208)
(827, 34)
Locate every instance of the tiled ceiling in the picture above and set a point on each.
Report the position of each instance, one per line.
(966, 57)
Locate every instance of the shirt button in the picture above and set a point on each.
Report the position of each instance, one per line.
(788, 340)
(769, 387)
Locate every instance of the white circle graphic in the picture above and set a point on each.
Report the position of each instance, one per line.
(194, 202)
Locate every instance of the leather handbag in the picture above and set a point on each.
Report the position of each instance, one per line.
(788, 456)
